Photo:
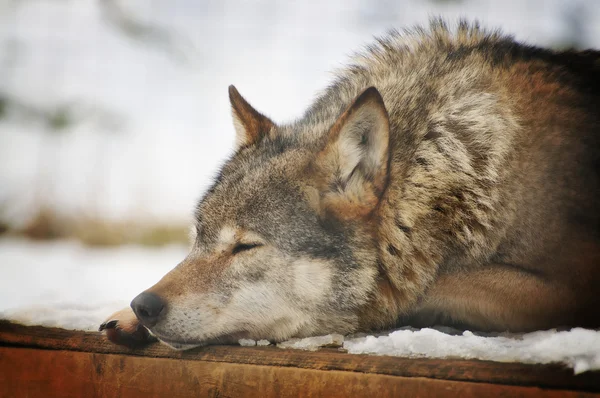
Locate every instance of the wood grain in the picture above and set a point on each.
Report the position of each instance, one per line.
(58, 373)
(515, 374)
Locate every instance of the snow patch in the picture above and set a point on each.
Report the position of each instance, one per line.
(263, 343)
(313, 343)
(577, 348)
(68, 285)
(247, 342)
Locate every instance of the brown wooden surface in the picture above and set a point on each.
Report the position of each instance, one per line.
(85, 355)
(47, 373)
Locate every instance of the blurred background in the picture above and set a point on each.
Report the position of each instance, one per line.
(114, 117)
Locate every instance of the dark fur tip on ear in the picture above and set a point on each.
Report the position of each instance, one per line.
(233, 93)
(250, 125)
(370, 94)
(238, 103)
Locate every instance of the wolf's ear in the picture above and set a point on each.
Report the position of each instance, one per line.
(356, 156)
(250, 125)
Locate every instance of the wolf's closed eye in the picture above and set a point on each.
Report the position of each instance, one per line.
(244, 246)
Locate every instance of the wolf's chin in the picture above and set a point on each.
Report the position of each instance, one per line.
(176, 345)
(179, 346)
(183, 345)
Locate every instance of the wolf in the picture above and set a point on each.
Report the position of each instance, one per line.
(447, 176)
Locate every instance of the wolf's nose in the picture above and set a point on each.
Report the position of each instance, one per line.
(147, 307)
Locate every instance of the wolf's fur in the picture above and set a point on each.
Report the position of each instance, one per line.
(461, 188)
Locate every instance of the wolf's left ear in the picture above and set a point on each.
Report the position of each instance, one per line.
(356, 156)
(250, 125)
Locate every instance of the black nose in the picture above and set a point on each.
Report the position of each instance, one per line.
(148, 307)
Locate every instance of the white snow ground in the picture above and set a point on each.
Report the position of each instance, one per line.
(65, 284)
(577, 348)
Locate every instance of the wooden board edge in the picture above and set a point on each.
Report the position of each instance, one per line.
(546, 376)
(37, 372)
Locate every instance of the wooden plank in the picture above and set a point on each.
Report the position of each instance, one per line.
(58, 373)
(546, 376)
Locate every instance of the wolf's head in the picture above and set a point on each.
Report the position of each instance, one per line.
(286, 238)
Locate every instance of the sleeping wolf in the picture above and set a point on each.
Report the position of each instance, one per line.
(445, 177)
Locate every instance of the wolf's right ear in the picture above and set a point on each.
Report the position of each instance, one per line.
(250, 125)
(355, 160)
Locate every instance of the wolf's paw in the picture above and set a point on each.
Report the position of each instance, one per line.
(123, 328)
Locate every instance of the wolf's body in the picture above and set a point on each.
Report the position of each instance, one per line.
(462, 188)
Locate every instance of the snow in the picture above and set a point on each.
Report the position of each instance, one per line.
(313, 343)
(252, 343)
(577, 348)
(263, 343)
(65, 284)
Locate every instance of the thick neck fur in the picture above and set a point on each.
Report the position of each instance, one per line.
(454, 137)
(445, 124)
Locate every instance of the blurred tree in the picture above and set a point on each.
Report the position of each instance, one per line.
(147, 33)
(57, 119)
